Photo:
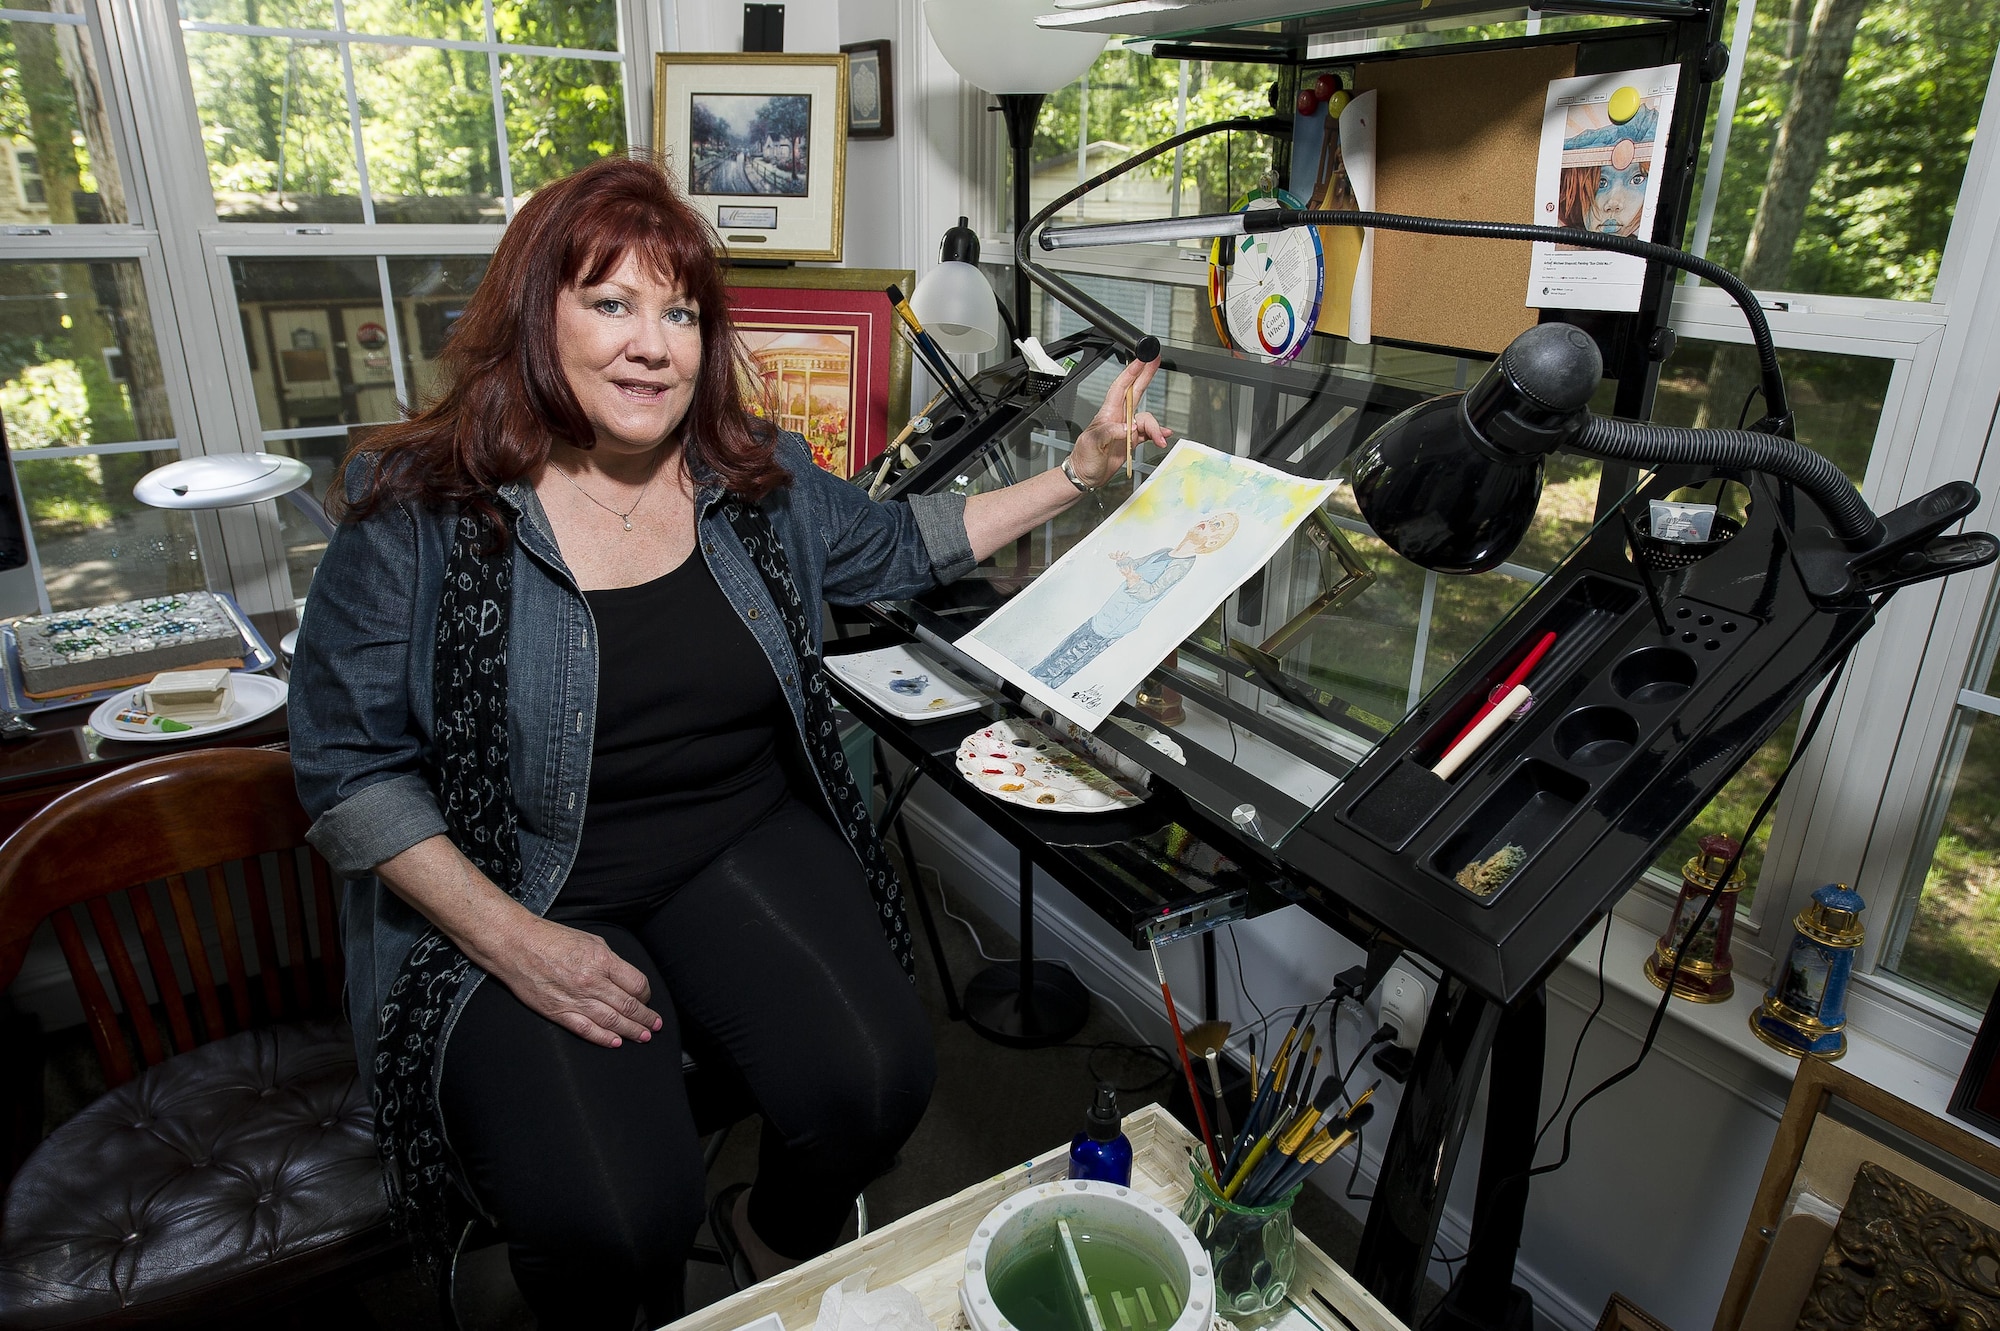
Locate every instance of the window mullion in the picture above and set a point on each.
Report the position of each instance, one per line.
(354, 112)
(1725, 119)
(501, 151)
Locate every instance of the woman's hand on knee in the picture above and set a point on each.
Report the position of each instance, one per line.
(575, 980)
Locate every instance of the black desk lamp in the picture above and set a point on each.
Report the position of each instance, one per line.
(1452, 483)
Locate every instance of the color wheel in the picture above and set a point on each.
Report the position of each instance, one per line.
(1266, 299)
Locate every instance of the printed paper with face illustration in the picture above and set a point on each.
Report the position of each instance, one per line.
(1084, 634)
(1604, 138)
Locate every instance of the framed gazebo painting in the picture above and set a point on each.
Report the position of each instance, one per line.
(827, 362)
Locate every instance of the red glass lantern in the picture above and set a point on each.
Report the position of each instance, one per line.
(1704, 972)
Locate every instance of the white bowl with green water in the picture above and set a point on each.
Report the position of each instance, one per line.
(1085, 1256)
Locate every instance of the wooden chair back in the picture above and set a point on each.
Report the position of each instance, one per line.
(159, 822)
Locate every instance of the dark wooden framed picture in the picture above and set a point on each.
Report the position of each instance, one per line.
(1976, 1098)
(871, 90)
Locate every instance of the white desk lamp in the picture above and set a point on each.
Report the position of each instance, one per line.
(230, 480)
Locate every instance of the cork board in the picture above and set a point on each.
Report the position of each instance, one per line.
(1457, 136)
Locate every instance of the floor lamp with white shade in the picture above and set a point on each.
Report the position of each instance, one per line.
(996, 46)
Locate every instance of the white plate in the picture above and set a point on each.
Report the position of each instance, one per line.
(1014, 761)
(250, 696)
(906, 685)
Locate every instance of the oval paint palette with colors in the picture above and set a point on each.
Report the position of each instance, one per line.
(1017, 762)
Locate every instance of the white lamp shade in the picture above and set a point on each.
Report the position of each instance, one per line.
(222, 480)
(995, 45)
(956, 306)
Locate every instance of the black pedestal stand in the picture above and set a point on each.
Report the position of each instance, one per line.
(1026, 1004)
(1463, 1034)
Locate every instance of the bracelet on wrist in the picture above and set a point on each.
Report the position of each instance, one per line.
(1069, 474)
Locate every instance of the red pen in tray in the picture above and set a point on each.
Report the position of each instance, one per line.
(1518, 675)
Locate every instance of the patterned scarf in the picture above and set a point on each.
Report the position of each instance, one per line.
(475, 793)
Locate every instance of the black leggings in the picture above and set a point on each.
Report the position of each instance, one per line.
(588, 1156)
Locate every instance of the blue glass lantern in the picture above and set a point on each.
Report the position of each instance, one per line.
(1804, 1012)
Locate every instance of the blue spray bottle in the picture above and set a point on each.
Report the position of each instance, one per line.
(1101, 1150)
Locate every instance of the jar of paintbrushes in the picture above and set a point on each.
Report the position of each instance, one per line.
(1240, 1207)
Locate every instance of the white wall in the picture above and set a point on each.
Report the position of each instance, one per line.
(717, 25)
(874, 222)
(1653, 1201)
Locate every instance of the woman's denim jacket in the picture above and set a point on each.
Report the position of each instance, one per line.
(361, 705)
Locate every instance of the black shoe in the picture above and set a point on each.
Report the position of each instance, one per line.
(722, 1226)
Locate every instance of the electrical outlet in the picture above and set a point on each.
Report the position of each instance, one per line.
(1405, 1000)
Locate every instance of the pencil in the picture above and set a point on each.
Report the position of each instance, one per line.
(1462, 752)
(1128, 429)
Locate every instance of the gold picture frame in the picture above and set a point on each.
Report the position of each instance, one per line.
(759, 144)
(1820, 1141)
(1343, 576)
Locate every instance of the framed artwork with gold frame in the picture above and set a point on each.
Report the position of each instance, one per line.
(1343, 576)
(759, 143)
(830, 366)
(1834, 1126)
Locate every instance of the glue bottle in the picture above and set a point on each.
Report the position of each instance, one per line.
(1101, 1150)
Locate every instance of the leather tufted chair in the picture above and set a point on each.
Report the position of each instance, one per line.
(233, 1161)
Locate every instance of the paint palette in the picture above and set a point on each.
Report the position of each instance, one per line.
(1017, 762)
(906, 685)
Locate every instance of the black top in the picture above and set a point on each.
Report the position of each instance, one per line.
(685, 753)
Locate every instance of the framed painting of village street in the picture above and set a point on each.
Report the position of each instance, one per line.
(759, 142)
(828, 363)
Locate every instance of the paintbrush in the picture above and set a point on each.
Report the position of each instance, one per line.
(1187, 1064)
(1259, 1100)
(1147, 349)
(925, 340)
(921, 420)
(1251, 1159)
(1287, 1145)
(1318, 1149)
(932, 358)
(1301, 1089)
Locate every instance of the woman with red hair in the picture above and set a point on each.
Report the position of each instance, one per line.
(559, 715)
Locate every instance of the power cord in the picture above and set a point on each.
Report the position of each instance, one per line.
(1576, 1050)
(1692, 932)
(1354, 1172)
(1243, 981)
(944, 903)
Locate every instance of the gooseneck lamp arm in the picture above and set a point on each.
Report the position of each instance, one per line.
(1452, 483)
(1778, 418)
(1104, 317)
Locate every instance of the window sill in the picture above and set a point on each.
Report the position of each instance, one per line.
(1714, 1039)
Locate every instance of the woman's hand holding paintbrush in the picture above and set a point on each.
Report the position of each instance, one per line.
(1114, 436)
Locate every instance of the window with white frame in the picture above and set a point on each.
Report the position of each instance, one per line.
(359, 158)
(426, 123)
(1838, 150)
(88, 386)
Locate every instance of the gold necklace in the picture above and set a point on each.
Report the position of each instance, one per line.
(626, 516)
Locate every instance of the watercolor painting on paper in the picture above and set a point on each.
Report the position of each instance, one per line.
(1084, 634)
